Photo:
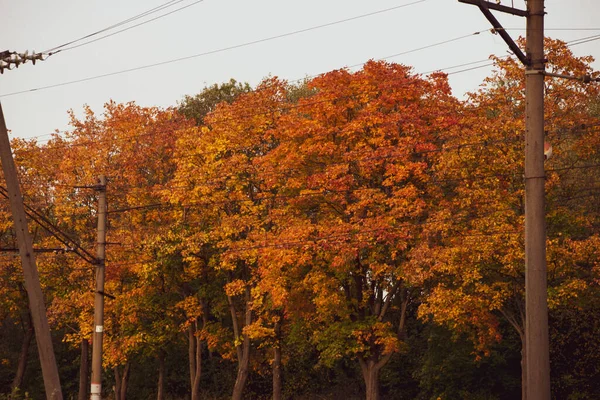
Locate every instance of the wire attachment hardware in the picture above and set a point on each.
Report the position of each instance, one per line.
(10, 59)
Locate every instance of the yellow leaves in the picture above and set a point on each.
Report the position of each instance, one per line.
(217, 338)
(191, 306)
(258, 331)
(381, 270)
(327, 298)
(380, 334)
(235, 287)
(567, 292)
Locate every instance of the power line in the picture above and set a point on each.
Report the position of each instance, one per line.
(125, 29)
(63, 238)
(118, 24)
(486, 60)
(584, 40)
(410, 51)
(470, 69)
(220, 50)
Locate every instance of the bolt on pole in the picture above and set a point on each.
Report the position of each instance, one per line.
(96, 381)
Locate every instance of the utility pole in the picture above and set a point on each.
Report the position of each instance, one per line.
(536, 291)
(30, 272)
(96, 382)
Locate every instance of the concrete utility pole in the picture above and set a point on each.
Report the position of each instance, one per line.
(30, 272)
(536, 291)
(96, 382)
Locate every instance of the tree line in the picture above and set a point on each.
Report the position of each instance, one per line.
(359, 234)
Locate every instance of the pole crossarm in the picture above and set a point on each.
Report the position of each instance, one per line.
(497, 7)
(484, 6)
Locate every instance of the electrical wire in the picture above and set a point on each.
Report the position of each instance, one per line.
(571, 43)
(63, 238)
(125, 29)
(296, 243)
(220, 50)
(586, 40)
(118, 24)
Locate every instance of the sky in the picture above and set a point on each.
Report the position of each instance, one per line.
(233, 31)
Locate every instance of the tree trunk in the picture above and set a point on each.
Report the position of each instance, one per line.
(277, 373)
(370, 370)
(240, 380)
(161, 377)
(192, 358)
(121, 382)
(519, 325)
(84, 370)
(523, 369)
(28, 328)
(117, 387)
(243, 350)
(198, 363)
(370, 367)
(242, 374)
(124, 381)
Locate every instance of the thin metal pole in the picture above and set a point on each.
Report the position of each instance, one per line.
(536, 306)
(30, 272)
(96, 381)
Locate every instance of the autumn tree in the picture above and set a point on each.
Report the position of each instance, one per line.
(133, 147)
(220, 182)
(352, 177)
(197, 107)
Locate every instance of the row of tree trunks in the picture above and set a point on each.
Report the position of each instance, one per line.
(121, 379)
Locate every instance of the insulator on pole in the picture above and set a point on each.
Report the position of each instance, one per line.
(10, 58)
(4, 65)
(24, 56)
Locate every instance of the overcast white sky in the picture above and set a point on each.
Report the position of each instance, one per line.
(216, 24)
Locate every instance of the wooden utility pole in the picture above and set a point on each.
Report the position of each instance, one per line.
(30, 272)
(536, 291)
(96, 382)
